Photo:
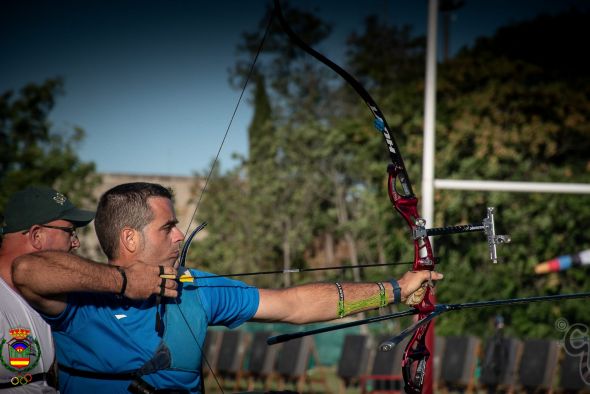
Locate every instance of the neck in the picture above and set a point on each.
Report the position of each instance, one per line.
(12, 247)
(121, 262)
(6, 260)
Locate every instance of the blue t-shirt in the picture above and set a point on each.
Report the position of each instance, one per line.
(98, 332)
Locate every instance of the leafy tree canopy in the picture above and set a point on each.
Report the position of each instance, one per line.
(32, 152)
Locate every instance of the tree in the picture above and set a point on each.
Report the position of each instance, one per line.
(32, 152)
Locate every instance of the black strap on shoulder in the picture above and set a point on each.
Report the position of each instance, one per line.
(137, 384)
(161, 360)
(130, 375)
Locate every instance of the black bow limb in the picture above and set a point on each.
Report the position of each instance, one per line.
(442, 308)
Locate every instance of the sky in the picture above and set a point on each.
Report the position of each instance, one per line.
(148, 80)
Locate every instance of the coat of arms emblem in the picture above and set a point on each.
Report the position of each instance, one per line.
(23, 351)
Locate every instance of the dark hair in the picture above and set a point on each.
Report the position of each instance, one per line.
(123, 206)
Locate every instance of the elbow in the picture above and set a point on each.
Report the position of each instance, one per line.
(296, 310)
(300, 320)
(21, 269)
(280, 305)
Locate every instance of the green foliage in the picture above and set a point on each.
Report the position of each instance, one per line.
(511, 115)
(32, 152)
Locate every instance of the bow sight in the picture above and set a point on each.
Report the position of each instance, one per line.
(487, 226)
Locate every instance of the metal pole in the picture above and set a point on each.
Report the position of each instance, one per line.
(428, 156)
(429, 117)
(510, 186)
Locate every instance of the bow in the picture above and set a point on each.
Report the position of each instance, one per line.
(415, 366)
(405, 202)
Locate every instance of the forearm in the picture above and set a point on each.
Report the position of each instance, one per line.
(49, 274)
(326, 301)
(322, 301)
(44, 279)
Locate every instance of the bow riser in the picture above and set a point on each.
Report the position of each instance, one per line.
(414, 362)
(416, 354)
(408, 209)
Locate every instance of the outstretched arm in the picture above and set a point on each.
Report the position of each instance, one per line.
(317, 302)
(44, 279)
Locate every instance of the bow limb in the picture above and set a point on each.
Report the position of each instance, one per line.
(405, 202)
(380, 121)
(187, 244)
(181, 268)
(442, 308)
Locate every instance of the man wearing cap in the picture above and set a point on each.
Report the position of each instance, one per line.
(36, 219)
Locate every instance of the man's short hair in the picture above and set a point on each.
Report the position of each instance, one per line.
(123, 206)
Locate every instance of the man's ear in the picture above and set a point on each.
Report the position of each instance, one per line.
(129, 239)
(35, 237)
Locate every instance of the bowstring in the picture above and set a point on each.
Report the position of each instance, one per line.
(216, 160)
(204, 189)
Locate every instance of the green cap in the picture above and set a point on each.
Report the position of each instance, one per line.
(40, 205)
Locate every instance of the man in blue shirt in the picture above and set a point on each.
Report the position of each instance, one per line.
(102, 315)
